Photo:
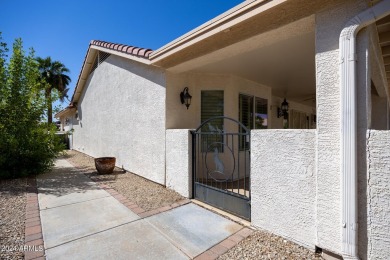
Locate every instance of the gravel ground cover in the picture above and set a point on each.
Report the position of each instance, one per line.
(264, 245)
(12, 217)
(149, 196)
(146, 194)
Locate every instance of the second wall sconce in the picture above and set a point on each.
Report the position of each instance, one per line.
(283, 110)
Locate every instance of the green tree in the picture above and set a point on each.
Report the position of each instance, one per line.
(54, 73)
(27, 145)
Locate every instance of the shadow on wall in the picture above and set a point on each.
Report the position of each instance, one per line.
(80, 115)
(362, 206)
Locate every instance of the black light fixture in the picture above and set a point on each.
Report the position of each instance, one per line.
(185, 97)
(283, 110)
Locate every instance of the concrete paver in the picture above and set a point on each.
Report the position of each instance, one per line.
(136, 240)
(65, 185)
(193, 228)
(82, 221)
(66, 223)
(48, 201)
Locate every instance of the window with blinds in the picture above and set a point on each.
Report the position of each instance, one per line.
(261, 113)
(212, 105)
(253, 114)
(246, 111)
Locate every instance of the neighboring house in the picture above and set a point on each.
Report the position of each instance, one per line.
(324, 182)
(67, 117)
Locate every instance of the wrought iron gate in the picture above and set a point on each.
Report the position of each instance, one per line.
(221, 165)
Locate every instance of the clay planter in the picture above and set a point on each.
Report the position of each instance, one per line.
(105, 165)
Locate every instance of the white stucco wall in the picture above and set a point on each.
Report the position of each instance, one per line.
(283, 183)
(378, 191)
(122, 114)
(329, 23)
(179, 161)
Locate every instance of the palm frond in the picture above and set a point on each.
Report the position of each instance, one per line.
(55, 74)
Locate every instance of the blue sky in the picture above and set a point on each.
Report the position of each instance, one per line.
(63, 29)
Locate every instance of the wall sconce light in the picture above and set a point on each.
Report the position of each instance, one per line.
(185, 97)
(67, 121)
(283, 110)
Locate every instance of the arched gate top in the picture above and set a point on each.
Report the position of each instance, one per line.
(222, 117)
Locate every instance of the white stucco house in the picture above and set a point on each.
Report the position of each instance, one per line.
(317, 173)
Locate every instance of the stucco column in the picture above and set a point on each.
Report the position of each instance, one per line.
(363, 92)
(179, 161)
(329, 24)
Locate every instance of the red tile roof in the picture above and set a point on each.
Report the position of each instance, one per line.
(137, 51)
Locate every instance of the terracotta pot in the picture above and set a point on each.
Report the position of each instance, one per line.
(105, 165)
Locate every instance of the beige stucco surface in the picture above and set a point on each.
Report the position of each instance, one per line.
(283, 183)
(122, 114)
(180, 118)
(378, 193)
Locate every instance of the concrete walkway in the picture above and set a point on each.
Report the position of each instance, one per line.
(80, 220)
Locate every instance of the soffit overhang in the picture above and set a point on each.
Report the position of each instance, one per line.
(238, 24)
(383, 29)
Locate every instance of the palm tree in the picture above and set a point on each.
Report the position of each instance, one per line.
(54, 73)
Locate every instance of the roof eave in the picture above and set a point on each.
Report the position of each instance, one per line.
(220, 23)
(88, 61)
(122, 54)
(82, 76)
(65, 111)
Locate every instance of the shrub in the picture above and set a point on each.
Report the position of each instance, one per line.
(27, 144)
